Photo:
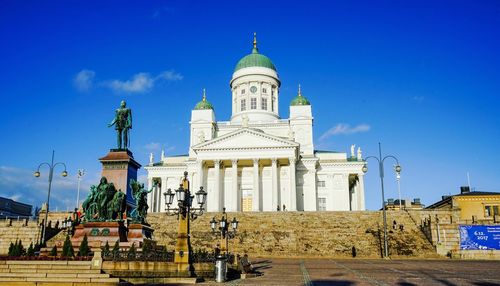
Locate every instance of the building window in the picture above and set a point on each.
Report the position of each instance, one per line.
(243, 91)
(264, 103)
(491, 211)
(253, 103)
(321, 184)
(264, 90)
(243, 105)
(321, 204)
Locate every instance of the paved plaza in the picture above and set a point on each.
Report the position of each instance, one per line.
(372, 272)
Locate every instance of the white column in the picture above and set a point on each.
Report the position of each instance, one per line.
(293, 186)
(274, 170)
(234, 201)
(217, 193)
(201, 175)
(310, 193)
(361, 192)
(150, 195)
(164, 184)
(256, 190)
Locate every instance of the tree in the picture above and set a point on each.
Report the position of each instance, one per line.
(20, 249)
(11, 248)
(67, 248)
(105, 250)
(53, 252)
(116, 250)
(84, 249)
(131, 252)
(31, 250)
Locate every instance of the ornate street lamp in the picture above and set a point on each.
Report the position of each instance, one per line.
(51, 173)
(381, 174)
(225, 233)
(80, 173)
(185, 212)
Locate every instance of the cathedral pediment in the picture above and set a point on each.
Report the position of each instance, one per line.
(245, 138)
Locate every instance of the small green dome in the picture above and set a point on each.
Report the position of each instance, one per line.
(255, 59)
(203, 104)
(300, 100)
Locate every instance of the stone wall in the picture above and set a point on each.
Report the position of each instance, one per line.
(11, 230)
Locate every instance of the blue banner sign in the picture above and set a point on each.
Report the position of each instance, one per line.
(479, 237)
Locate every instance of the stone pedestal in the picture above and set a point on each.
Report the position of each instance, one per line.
(137, 233)
(98, 233)
(119, 167)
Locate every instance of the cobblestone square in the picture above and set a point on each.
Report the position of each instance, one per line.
(349, 272)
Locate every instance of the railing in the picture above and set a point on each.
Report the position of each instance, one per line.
(160, 256)
(164, 256)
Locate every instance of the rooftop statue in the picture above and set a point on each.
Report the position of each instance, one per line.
(122, 123)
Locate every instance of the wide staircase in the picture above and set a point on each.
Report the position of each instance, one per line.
(21, 272)
(305, 234)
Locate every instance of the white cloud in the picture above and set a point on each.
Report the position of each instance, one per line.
(169, 76)
(153, 146)
(83, 80)
(344, 129)
(141, 82)
(138, 83)
(20, 185)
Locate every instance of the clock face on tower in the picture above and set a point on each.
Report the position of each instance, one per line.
(253, 89)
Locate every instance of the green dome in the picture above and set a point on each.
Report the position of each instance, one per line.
(203, 104)
(255, 59)
(300, 100)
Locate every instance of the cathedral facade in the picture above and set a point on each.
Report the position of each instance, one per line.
(258, 161)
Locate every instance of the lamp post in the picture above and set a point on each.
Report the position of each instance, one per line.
(225, 233)
(185, 212)
(51, 173)
(80, 173)
(398, 177)
(381, 160)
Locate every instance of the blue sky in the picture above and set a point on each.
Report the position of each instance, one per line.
(422, 77)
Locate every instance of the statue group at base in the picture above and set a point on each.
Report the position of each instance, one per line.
(105, 203)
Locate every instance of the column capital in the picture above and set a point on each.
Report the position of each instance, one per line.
(234, 162)
(217, 163)
(292, 160)
(274, 161)
(255, 161)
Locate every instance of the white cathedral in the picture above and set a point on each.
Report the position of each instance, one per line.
(258, 161)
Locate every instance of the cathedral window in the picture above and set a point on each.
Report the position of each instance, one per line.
(243, 91)
(264, 104)
(253, 103)
(264, 90)
(321, 184)
(243, 105)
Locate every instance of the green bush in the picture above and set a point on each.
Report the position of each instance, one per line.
(67, 248)
(11, 248)
(116, 250)
(20, 251)
(31, 250)
(105, 249)
(84, 249)
(131, 252)
(53, 252)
